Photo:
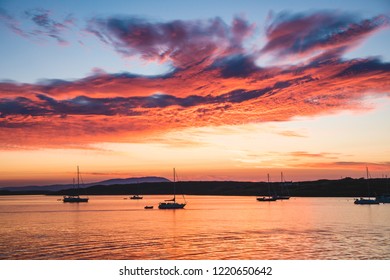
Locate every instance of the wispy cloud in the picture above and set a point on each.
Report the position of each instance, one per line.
(10, 22)
(304, 154)
(38, 24)
(326, 33)
(290, 133)
(356, 165)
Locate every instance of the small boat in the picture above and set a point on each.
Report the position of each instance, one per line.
(366, 201)
(171, 203)
(148, 207)
(269, 197)
(136, 196)
(75, 197)
(384, 198)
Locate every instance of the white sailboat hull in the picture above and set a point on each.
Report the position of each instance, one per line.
(136, 197)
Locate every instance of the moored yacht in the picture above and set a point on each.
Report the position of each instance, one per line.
(269, 197)
(365, 201)
(171, 203)
(75, 197)
(136, 196)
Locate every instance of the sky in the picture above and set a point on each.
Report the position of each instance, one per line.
(220, 90)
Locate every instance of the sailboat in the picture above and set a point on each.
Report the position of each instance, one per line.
(366, 200)
(75, 198)
(284, 191)
(171, 203)
(269, 198)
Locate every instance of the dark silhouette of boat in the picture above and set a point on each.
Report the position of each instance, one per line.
(171, 203)
(75, 197)
(265, 198)
(369, 200)
(363, 201)
(269, 197)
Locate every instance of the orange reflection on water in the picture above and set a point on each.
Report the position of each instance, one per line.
(210, 227)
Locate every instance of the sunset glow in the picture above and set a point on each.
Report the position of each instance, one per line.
(134, 90)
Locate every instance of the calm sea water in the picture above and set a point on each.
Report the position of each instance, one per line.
(211, 227)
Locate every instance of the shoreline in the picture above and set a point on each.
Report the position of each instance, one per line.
(346, 187)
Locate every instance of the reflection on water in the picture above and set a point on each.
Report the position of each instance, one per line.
(110, 227)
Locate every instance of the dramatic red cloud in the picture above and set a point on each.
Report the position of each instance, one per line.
(215, 82)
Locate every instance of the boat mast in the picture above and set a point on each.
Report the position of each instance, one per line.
(78, 181)
(174, 185)
(368, 183)
(269, 189)
(282, 183)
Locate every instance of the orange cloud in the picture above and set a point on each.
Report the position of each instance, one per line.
(312, 155)
(353, 165)
(79, 108)
(222, 87)
(290, 133)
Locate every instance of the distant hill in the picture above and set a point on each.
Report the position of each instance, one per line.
(130, 181)
(59, 187)
(346, 187)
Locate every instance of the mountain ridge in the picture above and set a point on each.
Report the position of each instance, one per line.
(115, 181)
